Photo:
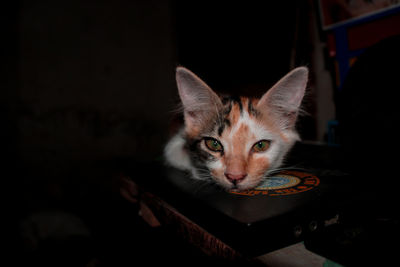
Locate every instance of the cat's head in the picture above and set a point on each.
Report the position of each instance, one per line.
(237, 141)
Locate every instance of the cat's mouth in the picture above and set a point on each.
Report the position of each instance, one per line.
(247, 184)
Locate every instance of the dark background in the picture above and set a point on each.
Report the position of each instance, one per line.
(88, 86)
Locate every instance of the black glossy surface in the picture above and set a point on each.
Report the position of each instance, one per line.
(251, 224)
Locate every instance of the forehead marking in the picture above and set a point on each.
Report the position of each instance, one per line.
(235, 114)
(239, 136)
(244, 110)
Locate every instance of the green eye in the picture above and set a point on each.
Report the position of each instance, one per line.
(261, 146)
(213, 144)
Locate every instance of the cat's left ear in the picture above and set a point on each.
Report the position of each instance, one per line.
(200, 103)
(285, 97)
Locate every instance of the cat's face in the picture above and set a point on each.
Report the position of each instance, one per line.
(237, 141)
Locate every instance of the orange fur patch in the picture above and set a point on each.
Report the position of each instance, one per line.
(241, 136)
(257, 166)
(254, 101)
(234, 115)
(192, 131)
(236, 161)
(236, 164)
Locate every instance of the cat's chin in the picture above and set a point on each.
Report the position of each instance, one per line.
(240, 187)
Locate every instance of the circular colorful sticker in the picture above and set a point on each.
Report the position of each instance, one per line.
(283, 183)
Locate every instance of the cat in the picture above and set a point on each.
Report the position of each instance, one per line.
(235, 141)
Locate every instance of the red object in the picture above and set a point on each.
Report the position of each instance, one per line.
(368, 34)
(331, 44)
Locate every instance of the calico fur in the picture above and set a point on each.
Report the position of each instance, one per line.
(237, 124)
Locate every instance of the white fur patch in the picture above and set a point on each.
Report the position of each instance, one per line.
(175, 153)
(215, 165)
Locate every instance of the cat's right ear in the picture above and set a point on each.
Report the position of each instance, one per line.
(200, 103)
(285, 97)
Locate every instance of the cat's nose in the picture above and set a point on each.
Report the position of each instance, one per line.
(235, 178)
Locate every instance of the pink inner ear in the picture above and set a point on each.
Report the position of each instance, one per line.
(200, 103)
(296, 96)
(186, 99)
(191, 114)
(288, 92)
(285, 97)
(194, 93)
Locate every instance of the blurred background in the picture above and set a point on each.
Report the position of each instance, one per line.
(88, 86)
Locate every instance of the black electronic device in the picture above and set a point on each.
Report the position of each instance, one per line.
(286, 208)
